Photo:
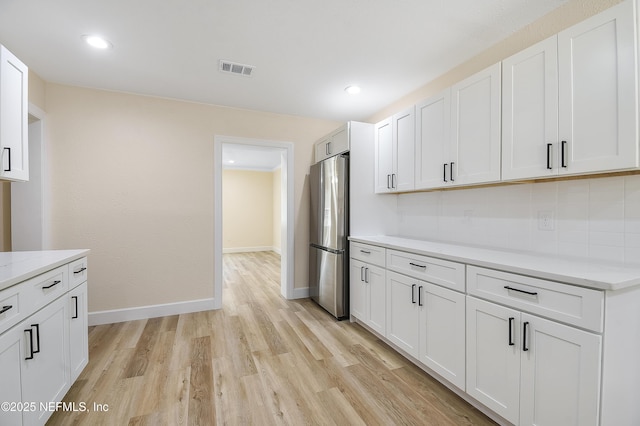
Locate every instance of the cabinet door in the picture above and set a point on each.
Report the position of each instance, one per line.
(376, 298)
(14, 108)
(442, 332)
(598, 90)
(11, 389)
(339, 141)
(78, 330)
(560, 379)
(384, 155)
(45, 377)
(530, 112)
(403, 150)
(433, 125)
(493, 357)
(357, 290)
(475, 128)
(403, 313)
(322, 150)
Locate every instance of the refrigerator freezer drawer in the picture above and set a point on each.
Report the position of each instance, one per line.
(328, 285)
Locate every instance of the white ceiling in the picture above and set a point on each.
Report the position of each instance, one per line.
(305, 51)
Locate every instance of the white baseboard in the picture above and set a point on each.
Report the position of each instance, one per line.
(276, 250)
(247, 249)
(300, 293)
(152, 311)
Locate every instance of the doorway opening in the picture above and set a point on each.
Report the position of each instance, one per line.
(245, 149)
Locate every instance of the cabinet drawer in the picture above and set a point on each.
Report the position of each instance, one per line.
(78, 272)
(367, 253)
(437, 271)
(45, 288)
(574, 305)
(12, 307)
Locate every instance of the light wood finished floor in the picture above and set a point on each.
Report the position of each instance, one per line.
(260, 360)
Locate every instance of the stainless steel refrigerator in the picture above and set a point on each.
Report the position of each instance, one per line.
(328, 248)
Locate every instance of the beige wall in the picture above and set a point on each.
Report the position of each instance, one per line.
(277, 199)
(571, 13)
(247, 210)
(132, 179)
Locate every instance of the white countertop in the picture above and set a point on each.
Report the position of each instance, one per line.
(18, 266)
(575, 271)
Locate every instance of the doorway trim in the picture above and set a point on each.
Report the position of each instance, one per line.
(287, 213)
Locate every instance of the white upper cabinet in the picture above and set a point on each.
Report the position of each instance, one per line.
(334, 143)
(433, 126)
(395, 142)
(530, 145)
(475, 128)
(569, 102)
(14, 109)
(598, 92)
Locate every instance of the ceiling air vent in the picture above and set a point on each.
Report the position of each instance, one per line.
(234, 68)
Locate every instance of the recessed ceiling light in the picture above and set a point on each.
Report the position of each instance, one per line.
(352, 90)
(97, 41)
(231, 161)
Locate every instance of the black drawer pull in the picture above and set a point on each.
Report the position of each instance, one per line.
(365, 251)
(549, 145)
(30, 343)
(75, 298)
(418, 266)
(413, 293)
(5, 308)
(531, 293)
(420, 296)
(55, 283)
(9, 169)
(37, 326)
(79, 271)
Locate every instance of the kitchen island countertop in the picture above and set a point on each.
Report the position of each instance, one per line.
(18, 266)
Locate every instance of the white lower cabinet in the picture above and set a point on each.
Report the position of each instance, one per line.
(531, 370)
(368, 294)
(78, 330)
(45, 364)
(403, 312)
(43, 353)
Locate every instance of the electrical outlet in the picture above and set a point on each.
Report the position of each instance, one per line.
(545, 220)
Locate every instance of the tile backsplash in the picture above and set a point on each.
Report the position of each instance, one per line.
(596, 218)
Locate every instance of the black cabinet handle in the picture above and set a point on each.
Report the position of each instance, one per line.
(30, 356)
(388, 181)
(393, 181)
(37, 326)
(79, 271)
(413, 293)
(524, 336)
(531, 293)
(55, 283)
(362, 273)
(444, 173)
(9, 169)
(549, 145)
(366, 275)
(511, 320)
(451, 171)
(365, 251)
(75, 299)
(420, 296)
(418, 266)
(5, 309)
(562, 154)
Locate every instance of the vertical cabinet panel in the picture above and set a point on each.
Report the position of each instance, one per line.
(530, 112)
(598, 92)
(475, 136)
(383, 156)
(78, 330)
(14, 106)
(403, 313)
(560, 375)
(46, 376)
(11, 356)
(404, 143)
(442, 332)
(368, 295)
(493, 361)
(433, 122)
(357, 289)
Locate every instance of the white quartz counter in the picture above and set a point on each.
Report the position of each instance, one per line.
(580, 272)
(17, 266)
